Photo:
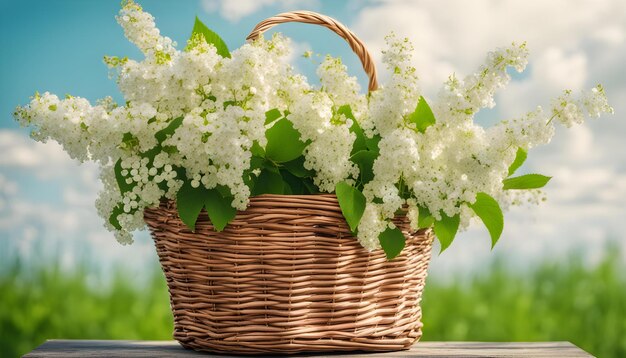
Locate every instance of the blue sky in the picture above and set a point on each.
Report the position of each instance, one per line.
(46, 200)
(58, 46)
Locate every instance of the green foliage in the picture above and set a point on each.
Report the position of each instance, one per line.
(364, 150)
(269, 182)
(352, 203)
(364, 159)
(569, 301)
(360, 139)
(124, 187)
(528, 181)
(283, 142)
(121, 181)
(211, 38)
(281, 162)
(190, 202)
(423, 116)
(296, 168)
(258, 153)
(488, 210)
(392, 241)
(219, 208)
(550, 302)
(130, 141)
(117, 210)
(446, 228)
(46, 302)
(272, 115)
(520, 158)
(281, 165)
(424, 218)
(168, 131)
(372, 143)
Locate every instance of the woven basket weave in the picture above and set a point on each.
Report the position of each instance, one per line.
(286, 275)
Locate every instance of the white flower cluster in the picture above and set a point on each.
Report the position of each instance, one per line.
(570, 111)
(315, 114)
(455, 158)
(140, 29)
(195, 115)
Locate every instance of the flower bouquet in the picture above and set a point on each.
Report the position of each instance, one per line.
(290, 217)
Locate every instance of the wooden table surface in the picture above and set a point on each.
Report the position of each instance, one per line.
(89, 348)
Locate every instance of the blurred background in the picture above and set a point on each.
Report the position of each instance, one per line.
(556, 274)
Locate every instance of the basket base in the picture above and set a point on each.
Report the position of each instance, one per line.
(300, 345)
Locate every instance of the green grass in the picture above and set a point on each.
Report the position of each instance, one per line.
(46, 303)
(567, 302)
(571, 302)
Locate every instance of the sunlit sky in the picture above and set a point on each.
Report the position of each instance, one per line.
(46, 199)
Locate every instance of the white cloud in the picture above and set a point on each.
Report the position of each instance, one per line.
(611, 34)
(38, 224)
(234, 11)
(46, 160)
(8, 189)
(560, 70)
(453, 36)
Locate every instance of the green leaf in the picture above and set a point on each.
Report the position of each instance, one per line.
(169, 130)
(352, 203)
(423, 116)
(249, 179)
(257, 150)
(294, 185)
(359, 142)
(424, 218)
(364, 159)
(283, 142)
(346, 110)
(270, 166)
(217, 201)
(404, 190)
(211, 37)
(129, 140)
(446, 228)
(170, 149)
(372, 143)
(392, 241)
(121, 180)
(152, 153)
(488, 210)
(189, 202)
(219, 208)
(310, 185)
(256, 162)
(272, 115)
(528, 181)
(520, 158)
(269, 182)
(296, 167)
(224, 191)
(113, 218)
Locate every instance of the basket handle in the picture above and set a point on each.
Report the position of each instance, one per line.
(309, 17)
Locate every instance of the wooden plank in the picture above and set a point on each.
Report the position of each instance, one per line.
(157, 349)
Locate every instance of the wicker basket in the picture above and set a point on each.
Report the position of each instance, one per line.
(286, 275)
